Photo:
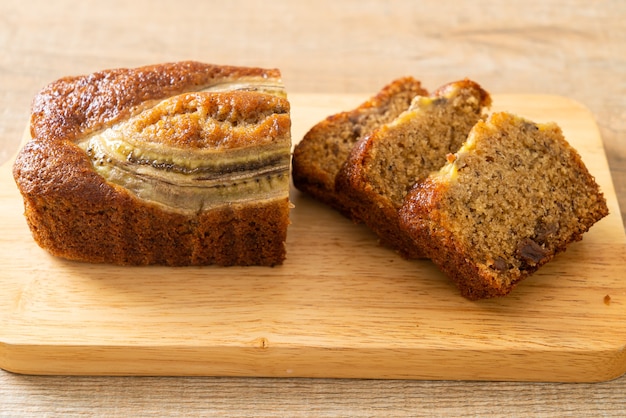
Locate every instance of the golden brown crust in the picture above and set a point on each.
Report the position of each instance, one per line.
(74, 105)
(75, 213)
(217, 121)
(318, 158)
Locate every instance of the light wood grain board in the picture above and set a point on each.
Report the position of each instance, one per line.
(340, 306)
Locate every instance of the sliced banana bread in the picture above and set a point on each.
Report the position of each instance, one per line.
(507, 202)
(383, 166)
(318, 157)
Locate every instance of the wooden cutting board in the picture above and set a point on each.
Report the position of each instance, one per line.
(341, 305)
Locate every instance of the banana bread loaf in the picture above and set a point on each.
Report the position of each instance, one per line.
(173, 164)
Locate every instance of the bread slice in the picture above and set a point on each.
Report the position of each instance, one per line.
(515, 195)
(176, 164)
(383, 166)
(318, 157)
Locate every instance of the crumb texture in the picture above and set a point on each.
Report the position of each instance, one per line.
(510, 199)
(383, 166)
(319, 156)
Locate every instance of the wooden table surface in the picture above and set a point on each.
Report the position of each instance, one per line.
(574, 48)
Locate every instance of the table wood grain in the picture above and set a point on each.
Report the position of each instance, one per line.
(573, 48)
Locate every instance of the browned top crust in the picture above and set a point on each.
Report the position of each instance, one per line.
(217, 121)
(77, 105)
(158, 104)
